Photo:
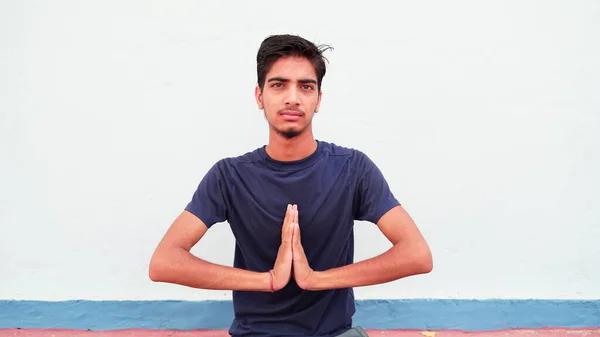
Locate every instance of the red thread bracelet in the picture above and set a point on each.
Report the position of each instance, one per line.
(272, 287)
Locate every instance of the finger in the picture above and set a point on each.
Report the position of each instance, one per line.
(291, 227)
(286, 221)
(291, 224)
(297, 234)
(292, 219)
(297, 249)
(295, 213)
(288, 214)
(294, 237)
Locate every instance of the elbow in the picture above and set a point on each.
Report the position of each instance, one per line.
(153, 273)
(427, 264)
(423, 261)
(157, 268)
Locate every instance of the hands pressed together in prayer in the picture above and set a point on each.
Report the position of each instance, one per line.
(409, 255)
(291, 259)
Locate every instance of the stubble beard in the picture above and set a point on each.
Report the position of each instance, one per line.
(289, 133)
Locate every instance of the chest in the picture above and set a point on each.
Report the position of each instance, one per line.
(324, 195)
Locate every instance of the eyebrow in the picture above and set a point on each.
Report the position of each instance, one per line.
(282, 79)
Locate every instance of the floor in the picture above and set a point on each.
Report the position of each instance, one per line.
(222, 333)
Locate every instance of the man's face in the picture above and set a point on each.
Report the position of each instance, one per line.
(290, 96)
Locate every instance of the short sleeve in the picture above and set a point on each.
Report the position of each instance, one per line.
(373, 197)
(209, 200)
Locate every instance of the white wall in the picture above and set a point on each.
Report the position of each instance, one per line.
(483, 116)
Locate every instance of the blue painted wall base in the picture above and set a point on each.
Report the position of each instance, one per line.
(374, 314)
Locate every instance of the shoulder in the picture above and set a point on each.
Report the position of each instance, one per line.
(334, 149)
(356, 157)
(227, 164)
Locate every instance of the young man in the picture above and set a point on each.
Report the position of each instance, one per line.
(291, 206)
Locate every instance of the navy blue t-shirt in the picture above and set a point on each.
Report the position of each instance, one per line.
(332, 187)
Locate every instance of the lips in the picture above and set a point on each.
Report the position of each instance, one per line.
(291, 116)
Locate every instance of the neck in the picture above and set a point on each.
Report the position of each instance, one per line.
(290, 149)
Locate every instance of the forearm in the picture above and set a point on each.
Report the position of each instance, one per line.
(396, 263)
(181, 267)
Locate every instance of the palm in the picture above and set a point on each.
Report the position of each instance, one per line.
(282, 269)
(302, 270)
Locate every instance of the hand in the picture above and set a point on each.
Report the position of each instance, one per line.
(282, 269)
(302, 271)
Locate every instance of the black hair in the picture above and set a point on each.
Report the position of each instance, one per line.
(276, 46)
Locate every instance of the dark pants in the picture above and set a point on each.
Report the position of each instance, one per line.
(354, 332)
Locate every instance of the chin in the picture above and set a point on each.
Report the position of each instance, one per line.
(288, 133)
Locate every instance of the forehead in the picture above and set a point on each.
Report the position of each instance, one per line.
(292, 67)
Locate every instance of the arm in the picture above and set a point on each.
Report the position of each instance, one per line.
(172, 262)
(409, 255)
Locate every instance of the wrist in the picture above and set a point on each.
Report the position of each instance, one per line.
(269, 284)
(316, 281)
(271, 281)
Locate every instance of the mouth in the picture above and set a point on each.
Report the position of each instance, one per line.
(290, 115)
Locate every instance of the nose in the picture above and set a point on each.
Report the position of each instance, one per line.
(292, 97)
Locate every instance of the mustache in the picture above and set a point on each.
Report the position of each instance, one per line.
(295, 109)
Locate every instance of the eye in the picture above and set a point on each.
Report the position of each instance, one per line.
(276, 85)
(307, 87)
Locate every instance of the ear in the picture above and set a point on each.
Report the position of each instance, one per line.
(258, 96)
(318, 102)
